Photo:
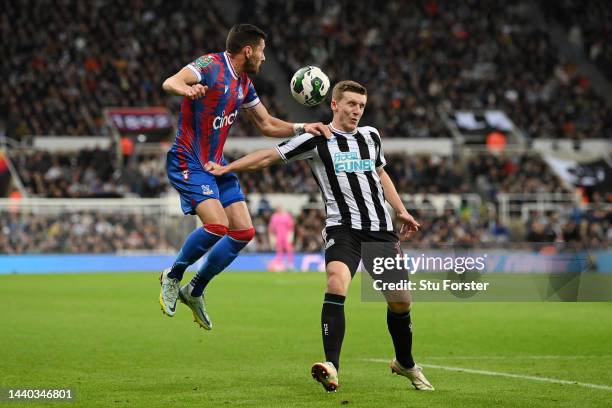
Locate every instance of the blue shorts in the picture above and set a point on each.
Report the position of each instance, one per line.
(196, 185)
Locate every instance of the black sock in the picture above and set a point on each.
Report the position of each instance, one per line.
(400, 328)
(332, 327)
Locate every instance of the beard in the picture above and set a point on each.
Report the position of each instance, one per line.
(250, 66)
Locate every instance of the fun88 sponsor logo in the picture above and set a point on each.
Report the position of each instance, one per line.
(225, 120)
(349, 162)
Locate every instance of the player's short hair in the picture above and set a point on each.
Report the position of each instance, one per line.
(241, 35)
(348, 86)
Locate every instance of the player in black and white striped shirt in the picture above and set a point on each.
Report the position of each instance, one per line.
(349, 169)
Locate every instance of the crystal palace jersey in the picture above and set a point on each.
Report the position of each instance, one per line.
(204, 124)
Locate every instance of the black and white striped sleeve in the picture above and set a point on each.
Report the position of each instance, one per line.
(298, 148)
(380, 154)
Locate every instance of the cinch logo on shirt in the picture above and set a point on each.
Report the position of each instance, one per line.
(225, 120)
(349, 162)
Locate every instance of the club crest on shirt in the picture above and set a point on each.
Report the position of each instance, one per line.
(185, 174)
(240, 93)
(206, 190)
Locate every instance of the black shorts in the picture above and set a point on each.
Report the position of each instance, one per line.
(346, 245)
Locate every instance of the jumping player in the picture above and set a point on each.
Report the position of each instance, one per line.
(215, 87)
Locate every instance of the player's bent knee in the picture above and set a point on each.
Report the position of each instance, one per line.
(217, 229)
(400, 307)
(242, 234)
(337, 284)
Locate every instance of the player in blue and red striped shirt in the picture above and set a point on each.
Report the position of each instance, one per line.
(215, 87)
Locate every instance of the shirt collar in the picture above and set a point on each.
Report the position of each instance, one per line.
(229, 64)
(341, 132)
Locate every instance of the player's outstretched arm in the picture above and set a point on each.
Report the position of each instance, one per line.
(185, 83)
(274, 127)
(251, 162)
(409, 226)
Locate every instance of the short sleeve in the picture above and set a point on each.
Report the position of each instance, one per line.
(300, 147)
(205, 68)
(251, 99)
(380, 154)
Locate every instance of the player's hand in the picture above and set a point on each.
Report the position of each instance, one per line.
(318, 129)
(409, 226)
(215, 169)
(196, 91)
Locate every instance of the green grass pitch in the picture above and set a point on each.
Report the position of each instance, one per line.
(104, 336)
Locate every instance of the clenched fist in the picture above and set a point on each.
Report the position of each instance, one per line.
(196, 91)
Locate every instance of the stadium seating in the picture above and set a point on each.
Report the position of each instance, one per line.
(99, 56)
(419, 57)
(80, 232)
(94, 173)
(588, 25)
(111, 232)
(89, 173)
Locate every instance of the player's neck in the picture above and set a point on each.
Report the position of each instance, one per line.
(338, 128)
(237, 63)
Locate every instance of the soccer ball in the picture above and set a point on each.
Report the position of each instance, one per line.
(309, 86)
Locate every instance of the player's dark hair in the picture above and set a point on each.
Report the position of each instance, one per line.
(241, 35)
(347, 86)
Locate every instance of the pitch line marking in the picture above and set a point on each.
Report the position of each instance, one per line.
(543, 357)
(502, 374)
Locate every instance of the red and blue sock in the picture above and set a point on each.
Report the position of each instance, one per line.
(220, 256)
(196, 245)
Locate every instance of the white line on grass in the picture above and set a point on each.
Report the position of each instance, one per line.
(517, 357)
(508, 375)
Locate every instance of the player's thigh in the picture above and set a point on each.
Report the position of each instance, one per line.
(211, 211)
(232, 200)
(342, 255)
(380, 251)
(238, 216)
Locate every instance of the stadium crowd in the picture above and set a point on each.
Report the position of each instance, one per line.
(588, 26)
(524, 174)
(463, 226)
(80, 232)
(89, 173)
(95, 173)
(414, 57)
(67, 61)
(418, 57)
